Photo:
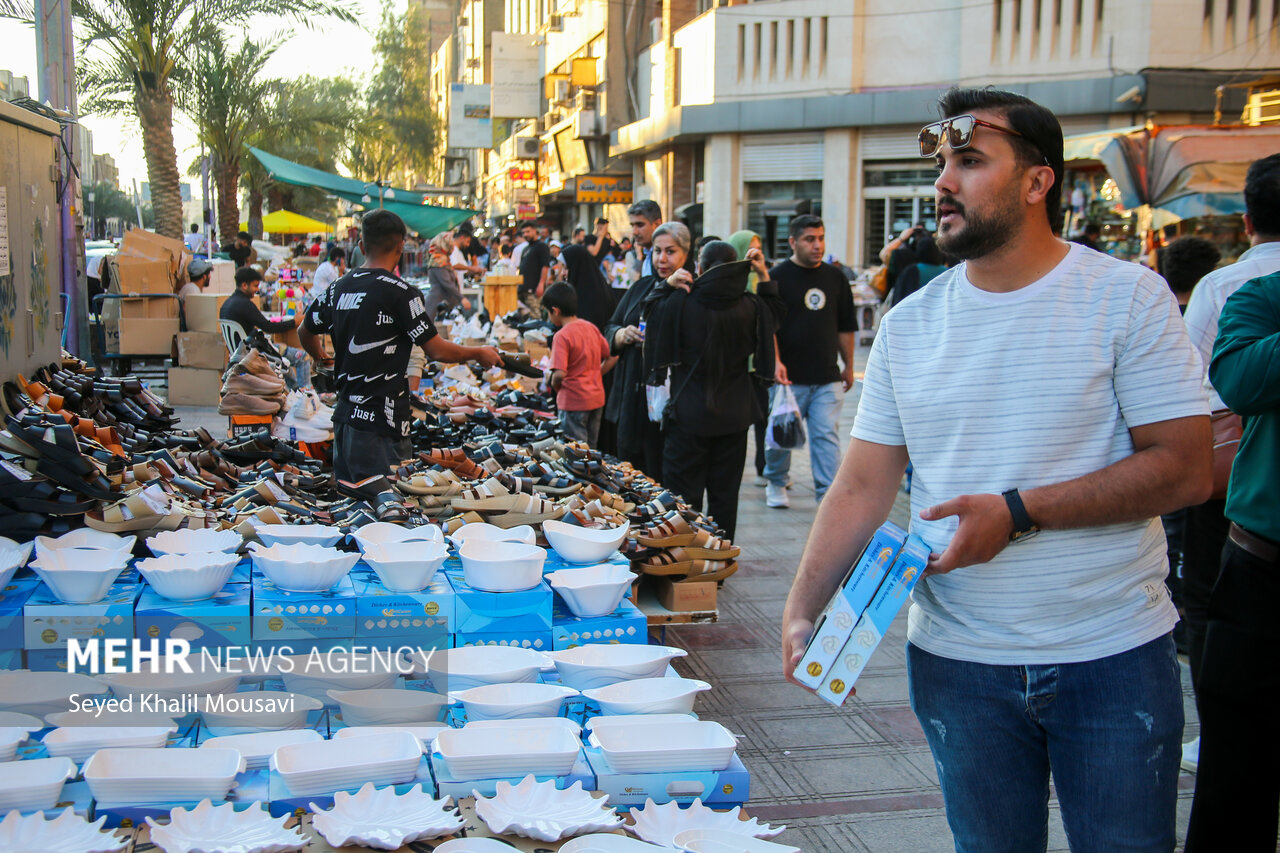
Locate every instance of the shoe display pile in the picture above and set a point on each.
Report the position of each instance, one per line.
(253, 384)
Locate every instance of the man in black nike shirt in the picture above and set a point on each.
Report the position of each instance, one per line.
(375, 319)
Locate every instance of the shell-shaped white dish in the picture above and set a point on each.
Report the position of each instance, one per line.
(257, 711)
(520, 700)
(120, 776)
(542, 811)
(40, 693)
(379, 707)
(168, 685)
(386, 533)
(648, 696)
(602, 664)
(79, 575)
(726, 841)
(474, 845)
(193, 576)
(66, 833)
(298, 534)
(198, 541)
(257, 748)
(13, 556)
(80, 742)
(501, 566)
(337, 765)
(659, 824)
(34, 784)
(584, 545)
(302, 567)
(593, 590)
(491, 753)
(472, 666)
(405, 566)
(491, 532)
(316, 675)
(384, 820)
(602, 843)
(208, 828)
(86, 538)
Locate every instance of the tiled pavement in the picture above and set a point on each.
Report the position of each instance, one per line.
(856, 778)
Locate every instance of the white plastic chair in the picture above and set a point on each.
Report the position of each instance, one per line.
(232, 334)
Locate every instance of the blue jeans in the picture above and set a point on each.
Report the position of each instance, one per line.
(582, 425)
(1110, 729)
(820, 406)
(301, 363)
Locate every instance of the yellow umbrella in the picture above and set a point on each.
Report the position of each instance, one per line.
(288, 222)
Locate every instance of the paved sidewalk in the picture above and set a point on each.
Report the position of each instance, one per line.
(856, 778)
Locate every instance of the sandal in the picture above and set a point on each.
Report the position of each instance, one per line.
(672, 531)
(671, 563)
(708, 546)
(144, 509)
(430, 482)
(526, 509)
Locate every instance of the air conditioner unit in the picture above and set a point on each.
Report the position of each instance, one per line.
(561, 92)
(550, 120)
(585, 100)
(584, 124)
(526, 148)
(555, 23)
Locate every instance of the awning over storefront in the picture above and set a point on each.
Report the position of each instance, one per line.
(409, 205)
(288, 222)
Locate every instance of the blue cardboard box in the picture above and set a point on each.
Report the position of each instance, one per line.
(282, 615)
(11, 659)
(477, 612)
(624, 625)
(450, 785)
(879, 615)
(47, 623)
(536, 640)
(836, 623)
(223, 620)
(717, 789)
(381, 612)
(12, 598)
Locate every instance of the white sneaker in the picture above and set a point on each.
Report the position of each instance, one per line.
(1191, 756)
(776, 497)
(760, 480)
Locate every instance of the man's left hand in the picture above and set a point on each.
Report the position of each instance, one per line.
(846, 377)
(984, 531)
(488, 356)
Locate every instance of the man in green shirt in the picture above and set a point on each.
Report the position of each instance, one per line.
(1237, 789)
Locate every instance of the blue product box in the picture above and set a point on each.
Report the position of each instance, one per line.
(47, 623)
(717, 789)
(284, 802)
(879, 615)
(624, 625)
(476, 612)
(452, 786)
(223, 620)
(243, 572)
(841, 614)
(282, 615)
(536, 640)
(12, 598)
(380, 612)
(11, 659)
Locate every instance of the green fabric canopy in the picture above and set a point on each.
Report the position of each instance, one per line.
(411, 206)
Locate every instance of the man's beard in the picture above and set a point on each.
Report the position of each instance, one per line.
(980, 234)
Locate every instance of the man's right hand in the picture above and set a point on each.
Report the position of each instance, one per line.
(488, 356)
(780, 374)
(795, 636)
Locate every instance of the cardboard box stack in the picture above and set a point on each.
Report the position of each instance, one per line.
(146, 271)
(197, 379)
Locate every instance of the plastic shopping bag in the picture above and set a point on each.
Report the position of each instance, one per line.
(657, 397)
(786, 426)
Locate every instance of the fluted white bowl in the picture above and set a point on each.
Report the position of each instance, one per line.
(517, 701)
(13, 556)
(301, 567)
(79, 575)
(405, 566)
(86, 538)
(501, 566)
(188, 577)
(386, 533)
(594, 590)
(492, 533)
(188, 541)
(298, 534)
(583, 545)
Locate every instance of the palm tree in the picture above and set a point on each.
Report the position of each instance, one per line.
(135, 51)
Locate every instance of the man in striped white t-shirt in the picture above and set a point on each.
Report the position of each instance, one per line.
(1037, 388)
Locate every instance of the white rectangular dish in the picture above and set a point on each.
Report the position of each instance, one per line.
(80, 742)
(677, 747)
(33, 785)
(122, 776)
(257, 747)
(337, 765)
(488, 753)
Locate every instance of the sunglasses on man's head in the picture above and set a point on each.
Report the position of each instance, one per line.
(958, 132)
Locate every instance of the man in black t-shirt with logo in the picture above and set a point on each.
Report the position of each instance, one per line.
(375, 319)
(535, 265)
(820, 327)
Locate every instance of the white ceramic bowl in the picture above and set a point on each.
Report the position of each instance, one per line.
(120, 776)
(386, 533)
(594, 590)
(648, 696)
(199, 541)
(168, 685)
(492, 533)
(79, 575)
(80, 742)
(256, 711)
(298, 534)
(188, 577)
(517, 701)
(315, 676)
(256, 748)
(303, 568)
(13, 556)
(86, 538)
(472, 666)
(501, 566)
(34, 784)
(405, 566)
(488, 753)
(40, 693)
(584, 545)
(381, 707)
(348, 763)
(602, 664)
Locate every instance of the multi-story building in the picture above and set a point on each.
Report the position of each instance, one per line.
(13, 87)
(105, 170)
(749, 113)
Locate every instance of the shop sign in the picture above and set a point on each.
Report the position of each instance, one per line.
(604, 189)
(515, 173)
(524, 195)
(550, 175)
(526, 211)
(469, 123)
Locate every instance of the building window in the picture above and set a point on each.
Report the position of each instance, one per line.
(997, 28)
(808, 46)
(773, 50)
(758, 33)
(772, 205)
(791, 46)
(822, 45)
(1099, 10)
(742, 50)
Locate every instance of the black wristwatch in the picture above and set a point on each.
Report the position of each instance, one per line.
(1023, 526)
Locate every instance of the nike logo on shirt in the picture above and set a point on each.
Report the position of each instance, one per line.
(356, 348)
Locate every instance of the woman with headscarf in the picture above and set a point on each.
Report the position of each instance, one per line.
(743, 242)
(595, 304)
(440, 275)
